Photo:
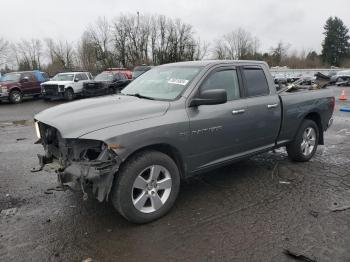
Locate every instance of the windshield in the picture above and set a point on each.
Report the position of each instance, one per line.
(13, 77)
(136, 74)
(162, 82)
(104, 77)
(63, 77)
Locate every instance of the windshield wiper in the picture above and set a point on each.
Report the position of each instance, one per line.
(140, 96)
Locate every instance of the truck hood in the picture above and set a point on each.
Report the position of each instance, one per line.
(57, 82)
(8, 83)
(79, 118)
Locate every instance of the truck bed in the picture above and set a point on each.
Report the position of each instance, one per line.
(317, 103)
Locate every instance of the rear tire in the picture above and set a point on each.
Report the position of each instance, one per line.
(69, 94)
(111, 91)
(304, 145)
(146, 187)
(15, 97)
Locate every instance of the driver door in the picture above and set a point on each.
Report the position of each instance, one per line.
(217, 132)
(29, 84)
(78, 83)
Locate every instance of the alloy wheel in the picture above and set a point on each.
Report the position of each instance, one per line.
(151, 189)
(309, 141)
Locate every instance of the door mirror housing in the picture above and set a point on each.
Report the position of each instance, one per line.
(76, 80)
(210, 97)
(25, 79)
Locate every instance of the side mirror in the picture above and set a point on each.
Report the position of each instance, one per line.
(210, 97)
(76, 80)
(25, 79)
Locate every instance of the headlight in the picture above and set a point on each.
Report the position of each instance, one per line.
(3, 89)
(37, 130)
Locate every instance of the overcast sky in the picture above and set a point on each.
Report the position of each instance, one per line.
(298, 22)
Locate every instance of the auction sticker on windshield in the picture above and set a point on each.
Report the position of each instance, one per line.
(178, 81)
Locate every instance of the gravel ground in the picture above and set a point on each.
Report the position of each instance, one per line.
(249, 211)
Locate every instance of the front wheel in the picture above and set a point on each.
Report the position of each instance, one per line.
(304, 145)
(146, 187)
(69, 94)
(15, 97)
(111, 91)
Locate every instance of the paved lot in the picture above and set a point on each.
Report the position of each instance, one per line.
(250, 211)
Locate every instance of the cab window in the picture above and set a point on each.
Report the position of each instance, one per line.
(223, 79)
(256, 83)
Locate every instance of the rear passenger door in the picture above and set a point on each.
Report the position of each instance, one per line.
(263, 109)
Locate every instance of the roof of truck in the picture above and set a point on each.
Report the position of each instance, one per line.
(215, 62)
(75, 72)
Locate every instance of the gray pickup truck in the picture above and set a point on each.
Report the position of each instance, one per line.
(173, 122)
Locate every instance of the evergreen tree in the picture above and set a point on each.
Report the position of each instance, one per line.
(335, 46)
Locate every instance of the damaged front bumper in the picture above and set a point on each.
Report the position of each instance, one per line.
(79, 162)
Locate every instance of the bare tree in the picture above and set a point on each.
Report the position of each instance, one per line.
(100, 36)
(4, 50)
(238, 44)
(28, 54)
(279, 53)
(202, 50)
(86, 54)
(61, 54)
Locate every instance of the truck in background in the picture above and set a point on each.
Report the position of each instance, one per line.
(17, 85)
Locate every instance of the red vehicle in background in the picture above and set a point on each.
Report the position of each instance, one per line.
(122, 70)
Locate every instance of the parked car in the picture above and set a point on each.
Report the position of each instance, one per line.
(304, 83)
(341, 76)
(17, 85)
(176, 121)
(292, 77)
(108, 82)
(280, 79)
(125, 71)
(139, 70)
(65, 85)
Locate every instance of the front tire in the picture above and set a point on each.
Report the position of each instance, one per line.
(15, 97)
(146, 187)
(111, 91)
(304, 145)
(69, 94)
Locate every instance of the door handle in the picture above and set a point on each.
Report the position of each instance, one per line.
(272, 106)
(238, 111)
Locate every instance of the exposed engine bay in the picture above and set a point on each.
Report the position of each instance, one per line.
(78, 162)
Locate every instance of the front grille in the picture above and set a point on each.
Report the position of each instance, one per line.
(51, 89)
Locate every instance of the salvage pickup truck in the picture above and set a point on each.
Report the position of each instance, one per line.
(175, 121)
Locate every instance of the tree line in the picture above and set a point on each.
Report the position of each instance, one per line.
(130, 40)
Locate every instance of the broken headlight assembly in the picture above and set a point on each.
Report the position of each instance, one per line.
(37, 129)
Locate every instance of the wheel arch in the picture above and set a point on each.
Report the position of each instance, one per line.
(15, 88)
(167, 149)
(69, 87)
(314, 116)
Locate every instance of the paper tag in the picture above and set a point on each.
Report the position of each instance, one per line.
(178, 81)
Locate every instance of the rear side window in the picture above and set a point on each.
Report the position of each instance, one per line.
(225, 79)
(117, 76)
(83, 76)
(45, 76)
(256, 83)
(30, 76)
(122, 76)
